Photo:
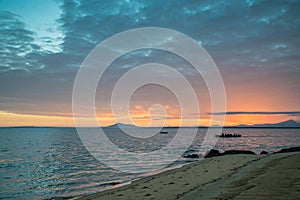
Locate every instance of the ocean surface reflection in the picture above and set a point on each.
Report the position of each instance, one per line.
(45, 163)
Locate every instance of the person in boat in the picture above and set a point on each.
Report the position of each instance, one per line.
(230, 135)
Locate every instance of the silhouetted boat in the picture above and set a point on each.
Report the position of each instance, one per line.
(163, 132)
(229, 135)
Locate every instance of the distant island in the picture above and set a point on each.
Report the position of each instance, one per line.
(121, 125)
(283, 124)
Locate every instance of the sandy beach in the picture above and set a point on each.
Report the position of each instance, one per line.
(270, 176)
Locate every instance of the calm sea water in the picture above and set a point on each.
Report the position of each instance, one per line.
(51, 163)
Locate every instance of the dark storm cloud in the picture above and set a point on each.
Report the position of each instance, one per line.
(241, 34)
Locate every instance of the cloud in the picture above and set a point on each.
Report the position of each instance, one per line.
(247, 32)
(17, 50)
(245, 38)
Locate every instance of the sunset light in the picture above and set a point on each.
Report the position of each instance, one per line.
(149, 99)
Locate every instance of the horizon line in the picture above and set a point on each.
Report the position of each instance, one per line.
(256, 113)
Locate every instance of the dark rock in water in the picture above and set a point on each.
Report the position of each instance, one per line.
(114, 183)
(212, 153)
(287, 150)
(263, 152)
(192, 156)
(190, 151)
(232, 152)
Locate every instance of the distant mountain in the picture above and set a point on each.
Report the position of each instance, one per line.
(120, 125)
(288, 123)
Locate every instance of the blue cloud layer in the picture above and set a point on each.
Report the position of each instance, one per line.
(239, 35)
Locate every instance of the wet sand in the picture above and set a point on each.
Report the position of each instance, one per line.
(274, 176)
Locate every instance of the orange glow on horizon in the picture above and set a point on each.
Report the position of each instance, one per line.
(13, 119)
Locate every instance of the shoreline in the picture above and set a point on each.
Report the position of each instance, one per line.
(221, 177)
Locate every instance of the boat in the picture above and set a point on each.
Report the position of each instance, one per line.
(163, 132)
(229, 135)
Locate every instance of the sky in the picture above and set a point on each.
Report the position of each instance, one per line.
(255, 44)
